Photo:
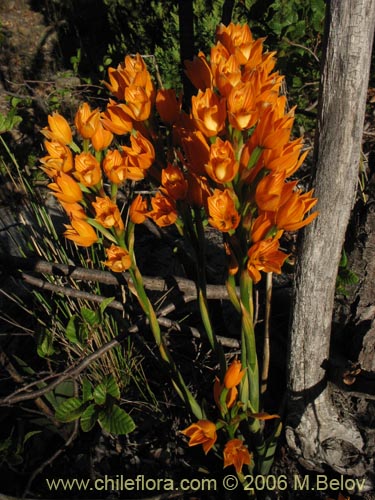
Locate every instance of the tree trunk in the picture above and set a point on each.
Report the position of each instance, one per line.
(315, 430)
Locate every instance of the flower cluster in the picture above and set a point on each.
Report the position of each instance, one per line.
(204, 432)
(227, 161)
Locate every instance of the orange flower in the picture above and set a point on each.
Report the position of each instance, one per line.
(286, 158)
(226, 70)
(117, 83)
(199, 72)
(140, 154)
(174, 182)
(134, 71)
(268, 191)
(66, 189)
(58, 130)
(222, 212)
(74, 210)
(81, 233)
(87, 169)
(115, 119)
(114, 167)
(242, 112)
(163, 211)
(265, 256)
(222, 166)
(237, 39)
(60, 158)
(107, 213)
(209, 113)
(138, 210)
(262, 225)
(168, 106)
(231, 395)
(102, 138)
(138, 103)
(119, 259)
(293, 208)
(202, 432)
(86, 120)
(233, 375)
(236, 453)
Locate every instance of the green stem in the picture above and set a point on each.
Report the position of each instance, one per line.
(250, 383)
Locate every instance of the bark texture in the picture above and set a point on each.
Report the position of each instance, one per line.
(315, 430)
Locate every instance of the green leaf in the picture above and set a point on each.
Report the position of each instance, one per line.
(86, 390)
(91, 317)
(89, 418)
(108, 386)
(117, 421)
(71, 329)
(70, 410)
(105, 304)
(45, 344)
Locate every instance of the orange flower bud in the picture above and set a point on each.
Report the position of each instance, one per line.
(66, 189)
(227, 74)
(87, 169)
(230, 398)
(168, 106)
(262, 226)
(116, 120)
(102, 138)
(242, 112)
(138, 210)
(107, 213)
(58, 130)
(265, 256)
(236, 453)
(60, 159)
(202, 432)
(174, 182)
(86, 120)
(222, 212)
(222, 166)
(114, 167)
(81, 233)
(163, 211)
(233, 375)
(119, 259)
(209, 112)
(199, 72)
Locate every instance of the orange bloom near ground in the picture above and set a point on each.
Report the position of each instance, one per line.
(60, 158)
(174, 182)
(236, 453)
(202, 432)
(233, 375)
(118, 259)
